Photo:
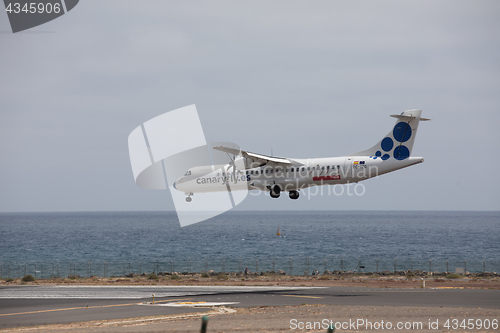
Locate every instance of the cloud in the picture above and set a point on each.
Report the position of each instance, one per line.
(307, 79)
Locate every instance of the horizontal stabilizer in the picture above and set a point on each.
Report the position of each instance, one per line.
(408, 118)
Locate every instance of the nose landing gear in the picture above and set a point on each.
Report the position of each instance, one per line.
(189, 199)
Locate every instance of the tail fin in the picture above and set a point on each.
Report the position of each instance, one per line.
(399, 142)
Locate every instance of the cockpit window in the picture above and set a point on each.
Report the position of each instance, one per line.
(188, 173)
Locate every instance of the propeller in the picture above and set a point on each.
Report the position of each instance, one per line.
(233, 165)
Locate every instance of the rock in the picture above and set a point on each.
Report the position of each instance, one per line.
(386, 272)
(129, 275)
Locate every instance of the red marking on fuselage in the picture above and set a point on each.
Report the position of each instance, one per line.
(334, 177)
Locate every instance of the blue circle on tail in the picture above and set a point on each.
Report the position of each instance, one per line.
(387, 144)
(385, 157)
(378, 154)
(402, 132)
(401, 153)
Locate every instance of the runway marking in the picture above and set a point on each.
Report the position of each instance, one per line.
(193, 304)
(396, 291)
(302, 296)
(84, 307)
(190, 303)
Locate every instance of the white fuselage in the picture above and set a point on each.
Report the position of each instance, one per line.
(305, 173)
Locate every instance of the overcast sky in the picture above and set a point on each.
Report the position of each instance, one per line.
(307, 78)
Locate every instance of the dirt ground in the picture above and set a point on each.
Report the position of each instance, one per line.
(373, 281)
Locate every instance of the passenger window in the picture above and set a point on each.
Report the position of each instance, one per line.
(327, 167)
(247, 172)
(322, 168)
(251, 172)
(308, 168)
(303, 169)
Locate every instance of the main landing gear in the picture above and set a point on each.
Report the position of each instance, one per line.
(275, 192)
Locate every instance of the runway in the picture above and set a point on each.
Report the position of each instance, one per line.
(37, 305)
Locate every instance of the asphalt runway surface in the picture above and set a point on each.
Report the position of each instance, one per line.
(39, 305)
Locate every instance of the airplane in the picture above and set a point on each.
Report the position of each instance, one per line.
(251, 171)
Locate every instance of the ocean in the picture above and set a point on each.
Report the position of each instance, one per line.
(116, 243)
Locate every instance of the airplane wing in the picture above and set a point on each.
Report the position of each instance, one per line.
(261, 159)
